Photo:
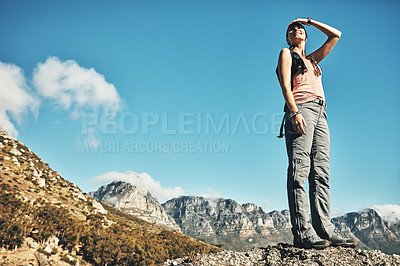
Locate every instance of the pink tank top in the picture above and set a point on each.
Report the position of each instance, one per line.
(307, 86)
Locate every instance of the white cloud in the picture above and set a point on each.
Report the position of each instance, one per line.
(209, 194)
(338, 212)
(142, 180)
(267, 204)
(69, 86)
(388, 212)
(16, 100)
(81, 91)
(75, 88)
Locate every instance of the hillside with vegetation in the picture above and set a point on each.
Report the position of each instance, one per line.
(47, 219)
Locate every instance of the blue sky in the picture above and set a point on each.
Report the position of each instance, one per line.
(109, 87)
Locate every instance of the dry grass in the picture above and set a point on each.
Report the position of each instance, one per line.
(37, 202)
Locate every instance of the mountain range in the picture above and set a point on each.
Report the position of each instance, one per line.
(243, 226)
(47, 220)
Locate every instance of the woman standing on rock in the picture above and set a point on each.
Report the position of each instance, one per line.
(307, 136)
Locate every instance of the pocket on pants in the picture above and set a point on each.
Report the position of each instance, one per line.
(295, 169)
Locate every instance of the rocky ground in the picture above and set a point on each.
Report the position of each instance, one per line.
(283, 254)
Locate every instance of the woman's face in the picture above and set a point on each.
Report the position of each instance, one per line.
(295, 34)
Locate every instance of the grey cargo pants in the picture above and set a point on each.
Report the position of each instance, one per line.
(308, 157)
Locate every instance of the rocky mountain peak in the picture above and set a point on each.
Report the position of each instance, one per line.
(225, 221)
(111, 192)
(371, 230)
(136, 201)
(252, 208)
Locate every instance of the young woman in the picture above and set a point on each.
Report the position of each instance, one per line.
(307, 136)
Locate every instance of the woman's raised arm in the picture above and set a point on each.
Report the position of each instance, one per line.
(333, 36)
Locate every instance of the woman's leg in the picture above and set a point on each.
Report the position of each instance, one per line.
(299, 152)
(319, 179)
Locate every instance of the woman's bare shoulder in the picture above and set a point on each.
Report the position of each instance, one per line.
(285, 54)
(285, 51)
